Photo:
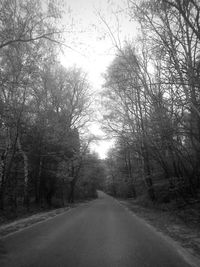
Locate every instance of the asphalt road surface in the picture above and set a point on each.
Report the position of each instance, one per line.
(100, 233)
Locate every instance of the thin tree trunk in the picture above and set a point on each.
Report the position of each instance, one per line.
(71, 194)
(4, 172)
(25, 159)
(37, 181)
(2, 178)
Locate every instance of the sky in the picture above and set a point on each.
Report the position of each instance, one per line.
(93, 48)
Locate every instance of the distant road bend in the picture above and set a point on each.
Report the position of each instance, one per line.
(101, 233)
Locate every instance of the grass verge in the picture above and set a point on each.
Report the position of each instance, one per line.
(180, 223)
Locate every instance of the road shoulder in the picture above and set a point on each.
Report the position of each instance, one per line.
(185, 239)
(7, 229)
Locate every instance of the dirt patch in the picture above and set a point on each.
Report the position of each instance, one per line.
(184, 230)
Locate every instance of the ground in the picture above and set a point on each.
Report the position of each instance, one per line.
(8, 226)
(182, 225)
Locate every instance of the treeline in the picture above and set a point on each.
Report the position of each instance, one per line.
(152, 100)
(43, 108)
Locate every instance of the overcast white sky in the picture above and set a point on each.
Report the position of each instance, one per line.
(94, 46)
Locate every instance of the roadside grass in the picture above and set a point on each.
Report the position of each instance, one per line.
(14, 221)
(179, 221)
(21, 223)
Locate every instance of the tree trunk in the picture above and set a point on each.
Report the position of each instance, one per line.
(134, 194)
(4, 171)
(25, 159)
(37, 180)
(71, 194)
(146, 172)
(2, 179)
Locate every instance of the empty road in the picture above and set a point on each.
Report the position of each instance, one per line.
(101, 233)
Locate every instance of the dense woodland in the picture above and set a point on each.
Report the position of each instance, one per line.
(152, 100)
(43, 109)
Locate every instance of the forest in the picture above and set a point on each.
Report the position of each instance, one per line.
(150, 103)
(43, 108)
(152, 99)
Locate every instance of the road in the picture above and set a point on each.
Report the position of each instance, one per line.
(101, 233)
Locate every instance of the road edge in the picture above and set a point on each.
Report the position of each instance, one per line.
(184, 253)
(20, 224)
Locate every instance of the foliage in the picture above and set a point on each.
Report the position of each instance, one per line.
(152, 100)
(43, 107)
